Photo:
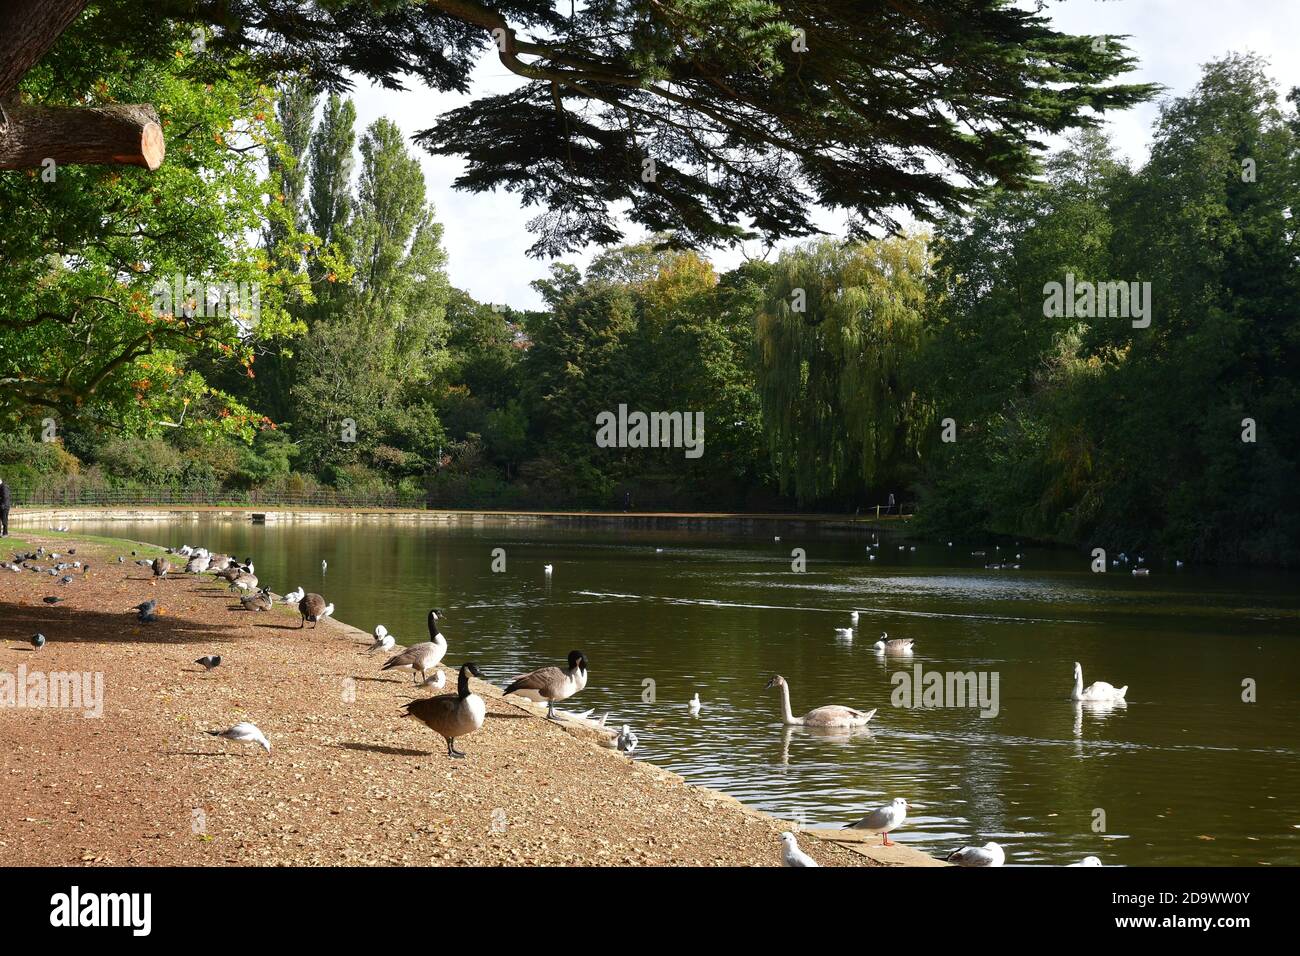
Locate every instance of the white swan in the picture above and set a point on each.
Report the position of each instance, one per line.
(990, 854)
(694, 705)
(1087, 861)
(1096, 691)
(846, 632)
(791, 855)
(831, 715)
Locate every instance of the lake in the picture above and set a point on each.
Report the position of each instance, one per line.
(1187, 774)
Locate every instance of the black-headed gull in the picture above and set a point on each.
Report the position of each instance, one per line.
(791, 855)
(244, 733)
(883, 819)
(990, 854)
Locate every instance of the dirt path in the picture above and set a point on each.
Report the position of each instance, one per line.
(350, 780)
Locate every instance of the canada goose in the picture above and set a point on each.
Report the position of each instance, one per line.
(160, 567)
(197, 565)
(452, 715)
(990, 854)
(893, 645)
(423, 657)
(694, 705)
(791, 855)
(209, 662)
(243, 582)
(38, 641)
(312, 608)
(831, 715)
(626, 740)
(294, 596)
(1097, 691)
(244, 733)
(883, 819)
(219, 562)
(261, 601)
(552, 684)
(234, 570)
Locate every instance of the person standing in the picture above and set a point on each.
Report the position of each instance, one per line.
(5, 501)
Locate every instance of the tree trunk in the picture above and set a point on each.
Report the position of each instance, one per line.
(109, 135)
(28, 28)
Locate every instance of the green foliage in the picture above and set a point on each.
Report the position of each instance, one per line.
(837, 345)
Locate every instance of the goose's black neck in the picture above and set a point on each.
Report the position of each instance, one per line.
(433, 628)
(462, 683)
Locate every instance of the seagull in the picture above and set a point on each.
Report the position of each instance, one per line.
(244, 733)
(383, 642)
(853, 617)
(436, 681)
(791, 855)
(323, 566)
(293, 597)
(990, 854)
(626, 740)
(209, 662)
(844, 632)
(883, 819)
(1087, 861)
(694, 705)
(38, 641)
(547, 568)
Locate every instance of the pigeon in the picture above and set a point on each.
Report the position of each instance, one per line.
(52, 600)
(85, 568)
(121, 560)
(38, 641)
(791, 855)
(244, 733)
(209, 662)
(66, 579)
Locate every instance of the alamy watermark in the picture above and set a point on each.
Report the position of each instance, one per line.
(70, 690)
(651, 430)
(922, 688)
(1098, 300)
(185, 297)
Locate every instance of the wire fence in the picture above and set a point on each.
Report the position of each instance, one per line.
(216, 498)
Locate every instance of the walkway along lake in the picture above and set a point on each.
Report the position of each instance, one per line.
(1188, 773)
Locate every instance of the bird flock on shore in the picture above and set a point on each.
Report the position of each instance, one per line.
(462, 713)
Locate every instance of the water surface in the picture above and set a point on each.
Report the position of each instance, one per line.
(1186, 774)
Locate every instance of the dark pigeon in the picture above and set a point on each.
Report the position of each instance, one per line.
(38, 641)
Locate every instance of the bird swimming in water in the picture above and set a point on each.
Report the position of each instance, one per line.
(209, 662)
(694, 704)
(244, 733)
(990, 854)
(38, 641)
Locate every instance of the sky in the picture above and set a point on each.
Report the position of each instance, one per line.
(486, 236)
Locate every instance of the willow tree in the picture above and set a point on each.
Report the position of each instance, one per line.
(837, 343)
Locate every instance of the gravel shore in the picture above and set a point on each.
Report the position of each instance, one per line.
(349, 781)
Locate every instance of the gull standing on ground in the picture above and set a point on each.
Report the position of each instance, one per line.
(791, 855)
(883, 819)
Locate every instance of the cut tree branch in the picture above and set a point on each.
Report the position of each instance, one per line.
(105, 135)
